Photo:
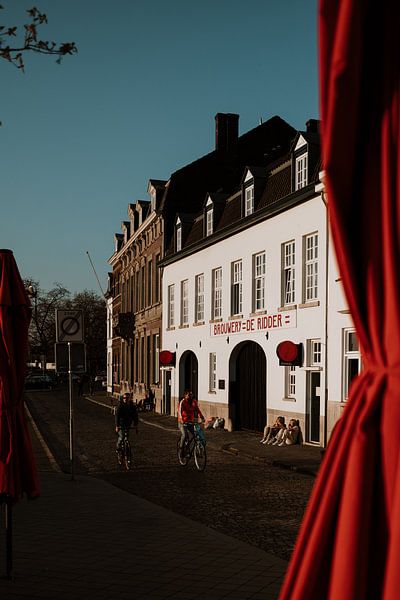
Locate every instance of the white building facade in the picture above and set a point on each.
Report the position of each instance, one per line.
(231, 298)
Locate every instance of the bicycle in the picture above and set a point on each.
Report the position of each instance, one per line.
(124, 452)
(194, 446)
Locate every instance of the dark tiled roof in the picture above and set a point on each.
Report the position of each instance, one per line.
(222, 172)
(232, 212)
(278, 186)
(196, 232)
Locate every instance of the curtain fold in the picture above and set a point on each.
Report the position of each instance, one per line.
(349, 542)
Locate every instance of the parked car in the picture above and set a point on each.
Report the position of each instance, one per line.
(39, 382)
(100, 381)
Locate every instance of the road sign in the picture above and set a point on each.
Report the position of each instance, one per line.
(69, 325)
(78, 358)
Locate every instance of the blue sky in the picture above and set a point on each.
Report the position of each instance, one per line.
(80, 140)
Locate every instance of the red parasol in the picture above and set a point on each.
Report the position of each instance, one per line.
(349, 544)
(18, 474)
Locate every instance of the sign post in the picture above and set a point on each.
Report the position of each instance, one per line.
(71, 413)
(69, 332)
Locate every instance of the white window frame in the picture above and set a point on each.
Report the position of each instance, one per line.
(236, 288)
(199, 299)
(290, 382)
(301, 172)
(259, 274)
(310, 267)
(249, 200)
(288, 273)
(209, 220)
(349, 357)
(185, 302)
(212, 379)
(171, 305)
(314, 353)
(216, 305)
(178, 238)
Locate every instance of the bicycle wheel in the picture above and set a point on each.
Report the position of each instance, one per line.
(200, 455)
(127, 455)
(182, 453)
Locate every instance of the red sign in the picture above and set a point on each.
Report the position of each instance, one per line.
(289, 353)
(167, 358)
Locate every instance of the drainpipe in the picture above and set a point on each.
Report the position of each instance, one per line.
(320, 187)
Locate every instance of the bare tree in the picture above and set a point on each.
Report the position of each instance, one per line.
(16, 41)
(42, 330)
(95, 328)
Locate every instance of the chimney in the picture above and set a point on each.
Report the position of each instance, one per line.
(312, 126)
(226, 132)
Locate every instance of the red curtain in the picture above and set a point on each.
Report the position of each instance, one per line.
(349, 543)
(18, 473)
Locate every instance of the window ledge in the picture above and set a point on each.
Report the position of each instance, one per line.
(288, 307)
(235, 317)
(289, 399)
(258, 313)
(219, 320)
(184, 326)
(310, 304)
(198, 323)
(171, 328)
(212, 392)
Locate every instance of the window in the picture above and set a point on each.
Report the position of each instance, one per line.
(184, 302)
(314, 353)
(216, 307)
(351, 359)
(143, 288)
(301, 172)
(259, 281)
(199, 299)
(288, 274)
(178, 238)
(249, 200)
(290, 382)
(209, 220)
(212, 385)
(150, 282)
(156, 357)
(310, 268)
(236, 288)
(158, 279)
(171, 305)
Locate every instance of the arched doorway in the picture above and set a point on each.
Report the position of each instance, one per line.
(188, 373)
(247, 387)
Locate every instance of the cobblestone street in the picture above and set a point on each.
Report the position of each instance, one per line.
(251, 500)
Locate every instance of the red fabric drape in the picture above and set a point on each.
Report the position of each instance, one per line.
(349, 543)
(18, 474)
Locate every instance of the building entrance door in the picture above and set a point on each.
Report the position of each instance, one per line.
(313, 406)
(167, 392)
(188, 372)
(248, 387)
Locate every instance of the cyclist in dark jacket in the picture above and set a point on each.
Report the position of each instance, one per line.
(125, 414)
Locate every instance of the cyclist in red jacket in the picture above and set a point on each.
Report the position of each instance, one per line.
(188, 413)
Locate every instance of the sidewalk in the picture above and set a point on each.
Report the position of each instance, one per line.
(86, 538)
(304, 459)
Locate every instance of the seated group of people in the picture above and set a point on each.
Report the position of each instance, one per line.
(280, 435)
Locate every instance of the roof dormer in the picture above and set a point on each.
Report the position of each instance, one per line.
(209, 217)
(253, 182)
(125, 228)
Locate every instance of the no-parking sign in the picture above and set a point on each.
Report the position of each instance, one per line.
(69, 325)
